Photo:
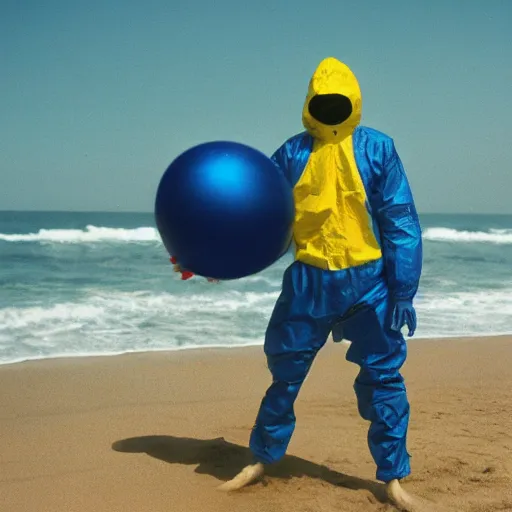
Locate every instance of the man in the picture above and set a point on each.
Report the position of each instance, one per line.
(358, 259)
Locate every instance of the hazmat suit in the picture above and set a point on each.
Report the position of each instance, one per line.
(358, 258)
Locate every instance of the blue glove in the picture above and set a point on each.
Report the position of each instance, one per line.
(404, 313)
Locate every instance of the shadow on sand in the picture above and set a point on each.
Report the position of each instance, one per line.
(223, 460)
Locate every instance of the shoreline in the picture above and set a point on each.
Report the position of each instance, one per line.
(213, 347)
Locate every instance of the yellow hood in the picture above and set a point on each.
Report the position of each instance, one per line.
(332, 109)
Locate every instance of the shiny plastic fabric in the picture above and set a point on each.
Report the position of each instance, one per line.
(404, 314)
(366, 302)
(389, 201)
(357, 301)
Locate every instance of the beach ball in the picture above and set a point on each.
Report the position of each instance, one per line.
(224, 210)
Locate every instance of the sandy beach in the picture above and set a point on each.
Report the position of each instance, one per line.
(160, 431)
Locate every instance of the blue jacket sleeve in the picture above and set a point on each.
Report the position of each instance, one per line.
(399, 227)
(281, 157)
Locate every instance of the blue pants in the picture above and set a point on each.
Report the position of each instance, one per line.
(356, 302)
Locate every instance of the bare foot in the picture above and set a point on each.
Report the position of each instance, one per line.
(407, 503)
(247, 476)
(400, 498)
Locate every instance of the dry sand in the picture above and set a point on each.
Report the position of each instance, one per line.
(158, 432)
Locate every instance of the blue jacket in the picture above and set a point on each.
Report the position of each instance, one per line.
(389, 201)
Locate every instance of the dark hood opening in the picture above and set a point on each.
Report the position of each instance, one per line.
(330, 109)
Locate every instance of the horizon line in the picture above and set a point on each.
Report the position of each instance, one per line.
(127, 212)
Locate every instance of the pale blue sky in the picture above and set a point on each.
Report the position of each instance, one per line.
(97, 97)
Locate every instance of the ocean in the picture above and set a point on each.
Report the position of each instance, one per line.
(79, 284)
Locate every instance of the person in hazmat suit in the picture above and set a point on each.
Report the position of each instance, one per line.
(356, 270)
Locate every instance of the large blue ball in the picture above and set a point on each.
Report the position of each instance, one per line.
(224, 210)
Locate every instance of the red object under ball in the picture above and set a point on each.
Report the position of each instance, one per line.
(185, 274)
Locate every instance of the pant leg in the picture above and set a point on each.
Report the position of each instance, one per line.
(379, 386)
(296, 331)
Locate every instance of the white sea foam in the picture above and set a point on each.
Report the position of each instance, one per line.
(465, 313)
(115, 322)
(95, 234)
(493, 236)
(90, 234)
